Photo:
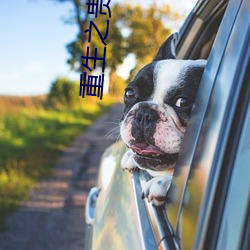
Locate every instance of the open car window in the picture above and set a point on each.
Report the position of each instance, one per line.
(196, 41)
(211, 32)
(200, 26)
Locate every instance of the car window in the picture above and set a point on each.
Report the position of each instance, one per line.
(192, 132)
(199, 31)
(165, 224)
(208, 130)
(235, 212)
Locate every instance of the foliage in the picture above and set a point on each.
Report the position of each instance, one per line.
(117, 86)
(31, 139)
(147, 31)
(132, 29)
(115, 49)
(64, 92)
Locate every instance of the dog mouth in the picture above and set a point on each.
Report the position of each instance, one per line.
(149, 152)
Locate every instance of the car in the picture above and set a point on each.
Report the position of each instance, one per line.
(208, 203)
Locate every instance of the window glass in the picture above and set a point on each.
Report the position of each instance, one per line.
(236, 206)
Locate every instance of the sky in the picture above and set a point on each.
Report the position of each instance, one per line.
(32, 44)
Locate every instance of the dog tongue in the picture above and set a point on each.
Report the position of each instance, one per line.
(145, 149)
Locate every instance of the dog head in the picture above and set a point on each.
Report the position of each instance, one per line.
(158, 102)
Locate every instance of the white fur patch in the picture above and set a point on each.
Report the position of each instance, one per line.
(167, 138)
(128, 161)
(157, 188)
(169, 73)
(125, 131)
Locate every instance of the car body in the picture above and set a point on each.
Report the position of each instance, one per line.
(209, 198)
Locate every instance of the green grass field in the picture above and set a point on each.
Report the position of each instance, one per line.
(31, 139)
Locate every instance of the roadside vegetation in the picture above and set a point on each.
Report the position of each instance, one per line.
(34, 131)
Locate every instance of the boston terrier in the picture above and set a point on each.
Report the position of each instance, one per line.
(158, 102)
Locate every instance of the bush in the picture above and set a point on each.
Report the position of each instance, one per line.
(63, 92)
(31, 139)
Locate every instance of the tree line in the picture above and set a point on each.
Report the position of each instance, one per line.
(133, 29)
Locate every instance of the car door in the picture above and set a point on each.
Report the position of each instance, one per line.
(121, 218)
(207, 184)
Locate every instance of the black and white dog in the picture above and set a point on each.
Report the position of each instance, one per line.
(158, 103)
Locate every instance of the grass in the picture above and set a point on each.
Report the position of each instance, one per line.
(31, 138)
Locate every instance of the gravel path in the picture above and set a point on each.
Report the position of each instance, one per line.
(53, 218)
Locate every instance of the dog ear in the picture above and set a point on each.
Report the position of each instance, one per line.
(167, 49)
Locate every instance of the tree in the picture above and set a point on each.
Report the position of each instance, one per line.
(147, 31)
(117, 86)
(115, 52)
(80, 18)
(132, 29)
(63, 93)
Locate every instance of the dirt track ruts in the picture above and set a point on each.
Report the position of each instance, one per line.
(53, 218)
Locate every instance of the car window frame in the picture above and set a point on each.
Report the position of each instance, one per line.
(236, 189)
(239, 108)
(213, 182)
(162, 227)
(210, 74)
(197, 116)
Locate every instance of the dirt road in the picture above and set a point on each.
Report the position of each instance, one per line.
(53, 218)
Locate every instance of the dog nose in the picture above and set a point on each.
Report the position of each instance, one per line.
(145, 117)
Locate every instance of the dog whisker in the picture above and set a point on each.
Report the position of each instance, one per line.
(118, 138)
(116, 122)
(113, 132)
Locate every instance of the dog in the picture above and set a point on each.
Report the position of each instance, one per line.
(158, 102)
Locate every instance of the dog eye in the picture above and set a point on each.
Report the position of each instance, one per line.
(183, 102)
(130, 94)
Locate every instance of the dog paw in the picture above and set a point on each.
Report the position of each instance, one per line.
(156, 189)
(127, 162)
